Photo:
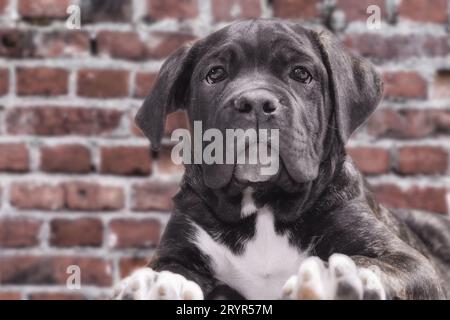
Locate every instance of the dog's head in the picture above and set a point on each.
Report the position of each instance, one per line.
(265, 74)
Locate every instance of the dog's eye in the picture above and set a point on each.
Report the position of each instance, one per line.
(301, 74)
(216, 74)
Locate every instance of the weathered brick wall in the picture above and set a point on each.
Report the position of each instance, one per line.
(77, 183)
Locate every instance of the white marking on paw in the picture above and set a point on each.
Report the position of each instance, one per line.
(248, 206)
(341, 280)
(371, 282)
(308, 283)
(147, 284)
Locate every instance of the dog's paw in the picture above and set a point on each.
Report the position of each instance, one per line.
(341, 280)
(147, 284)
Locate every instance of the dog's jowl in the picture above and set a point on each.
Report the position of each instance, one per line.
(308, 230)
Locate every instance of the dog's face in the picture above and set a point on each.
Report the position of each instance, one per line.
(265, 74)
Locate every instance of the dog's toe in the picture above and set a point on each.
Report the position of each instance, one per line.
(309, 283)
(147, 284)
(341, 280)
(344, 275)
(372, 286)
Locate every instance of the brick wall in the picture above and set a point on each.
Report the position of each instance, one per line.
(77, 183)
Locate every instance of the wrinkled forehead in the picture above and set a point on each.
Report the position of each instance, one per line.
(260, 41)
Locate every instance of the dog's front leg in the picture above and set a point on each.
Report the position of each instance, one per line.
(405, 276)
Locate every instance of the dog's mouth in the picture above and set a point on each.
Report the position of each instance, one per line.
(261, 163)
(262, 160)
(249, 176)
(251, 173)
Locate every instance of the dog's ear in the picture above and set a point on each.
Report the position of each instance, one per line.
(169, 93)
(355, 86)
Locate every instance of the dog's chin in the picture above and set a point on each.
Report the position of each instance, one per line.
(253, 173)
(245, 176)
(234, 178)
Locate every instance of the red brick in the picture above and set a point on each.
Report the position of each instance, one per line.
(92, 196)
(409, 124)
(390, 123)
(370, 160)
(52, 270)
(128, 265)
(391, 196)
(304, 9)
(42, 81)
(441, 120)
(357, 10)
(126, 160)
(404, 84)
(14, 157)
(10, 295)
(4, 81)
(126, 233)
(27, 195)
(176, 120)
(180, 9)
(125, 45)
(43, 8)
(100, 11)
(19, 233)
(16, 43)
(71, 158)
(165, 164)
(428, 198)
(441, 85)
(424, 198)
(424, 11)
(58, 44)
(153, 196)
(398, 47)
(128, 45)
(56, 121)
(144, 83)
(56, 296)
(84, 232)
(422, 160)
(417, 124)
(103, 83)
(162, 44)
(3, 5)
(383, 122)
(229, 10)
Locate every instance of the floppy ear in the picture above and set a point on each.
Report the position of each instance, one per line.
(355, 86)
(167, 95)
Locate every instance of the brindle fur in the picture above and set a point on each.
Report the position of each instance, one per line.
(333, 212)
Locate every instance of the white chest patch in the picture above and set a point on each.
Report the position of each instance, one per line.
(265, 264)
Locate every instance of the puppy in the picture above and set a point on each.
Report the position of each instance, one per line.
(312, 229)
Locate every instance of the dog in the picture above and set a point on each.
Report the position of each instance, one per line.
(312, 230)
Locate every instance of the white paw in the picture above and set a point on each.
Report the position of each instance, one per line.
(147, 284)
(342, 279)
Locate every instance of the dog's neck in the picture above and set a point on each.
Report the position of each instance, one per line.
(226, 204)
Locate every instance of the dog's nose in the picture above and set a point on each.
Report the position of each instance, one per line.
(257, 101)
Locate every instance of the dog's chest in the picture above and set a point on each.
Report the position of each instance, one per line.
(260, 271)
